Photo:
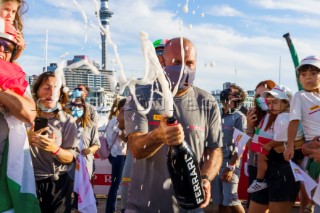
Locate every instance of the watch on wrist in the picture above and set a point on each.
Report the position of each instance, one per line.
(205, 177)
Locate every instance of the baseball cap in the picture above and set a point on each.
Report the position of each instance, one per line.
(160, 43)
(280, 92)
(310, 60)
(7, 31)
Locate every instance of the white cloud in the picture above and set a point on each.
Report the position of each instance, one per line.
(305, 22)
(224, 10)
(310, 6)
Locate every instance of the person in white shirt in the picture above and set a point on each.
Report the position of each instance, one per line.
(306, 109)
(116, 140)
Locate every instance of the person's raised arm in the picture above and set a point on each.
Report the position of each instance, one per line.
(144, 145)
(22, 107)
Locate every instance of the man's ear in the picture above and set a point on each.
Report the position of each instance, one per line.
(161, 60)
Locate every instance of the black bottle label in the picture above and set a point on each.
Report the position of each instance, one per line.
(185, 176)
(196, 180)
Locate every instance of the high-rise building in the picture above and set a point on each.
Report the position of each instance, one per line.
(83, 75)
(51, 68)
(105, 14)
(31, 79)
(101, 85)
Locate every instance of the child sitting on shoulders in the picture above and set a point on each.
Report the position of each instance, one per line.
(278, 100)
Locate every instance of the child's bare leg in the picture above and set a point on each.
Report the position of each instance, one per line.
(262, 166)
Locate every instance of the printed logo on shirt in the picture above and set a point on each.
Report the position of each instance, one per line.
(154, 123)
(225, 127)
(196, 127)
(314, 109)
(157, 117)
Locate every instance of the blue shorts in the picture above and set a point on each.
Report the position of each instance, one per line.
(226, 193)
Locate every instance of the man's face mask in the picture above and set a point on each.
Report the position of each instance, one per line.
(173, 73)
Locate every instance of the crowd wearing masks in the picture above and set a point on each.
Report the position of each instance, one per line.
(52, 129)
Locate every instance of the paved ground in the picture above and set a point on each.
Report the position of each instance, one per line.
(209, 209)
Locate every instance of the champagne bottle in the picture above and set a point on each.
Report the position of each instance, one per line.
(185, 174)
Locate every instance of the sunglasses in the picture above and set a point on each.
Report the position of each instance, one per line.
(7, 46)
(77, 105)
(159, 52)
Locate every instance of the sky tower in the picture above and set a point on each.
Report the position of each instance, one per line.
(105, 15)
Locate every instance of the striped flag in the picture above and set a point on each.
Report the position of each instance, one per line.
(258, 140)
(17, 183)
(300, 175)
(82, 185)
(316, 196)
(240, 140)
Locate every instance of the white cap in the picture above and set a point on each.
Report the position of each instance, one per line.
(7, 30)
(310, 60)
(279, 92)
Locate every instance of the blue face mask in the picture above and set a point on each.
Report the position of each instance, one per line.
(77, 112)
(173, 73)
(77, 93)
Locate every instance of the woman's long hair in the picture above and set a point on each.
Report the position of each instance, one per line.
(259, 112)
(116, 106)
(85, 118)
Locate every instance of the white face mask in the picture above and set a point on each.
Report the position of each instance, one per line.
(44, 109)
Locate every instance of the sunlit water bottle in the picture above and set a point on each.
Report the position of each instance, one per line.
(185, 174)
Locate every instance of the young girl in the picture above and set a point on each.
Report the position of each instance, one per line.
(279, 104)
(11, 11)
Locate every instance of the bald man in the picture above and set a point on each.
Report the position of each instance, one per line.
(149, 136)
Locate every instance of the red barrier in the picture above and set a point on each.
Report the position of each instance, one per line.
(243, 182)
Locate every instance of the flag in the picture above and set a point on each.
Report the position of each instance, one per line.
(82, 185)
(300, 175)
(17, 183)
(240, 139)
(258, 140)
(316, 196)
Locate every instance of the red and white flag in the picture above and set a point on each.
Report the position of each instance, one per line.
(258, 140)
(300, 175)
(240, 140)
(82, 185)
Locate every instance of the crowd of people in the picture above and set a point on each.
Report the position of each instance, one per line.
(283, 127)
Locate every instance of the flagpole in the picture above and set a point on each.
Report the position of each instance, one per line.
(280, 70)
(46, 53)
(294, 57)
(235, 74)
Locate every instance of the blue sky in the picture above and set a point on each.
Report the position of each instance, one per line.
(233, 34)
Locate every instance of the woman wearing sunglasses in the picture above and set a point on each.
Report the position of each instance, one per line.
(90, 142)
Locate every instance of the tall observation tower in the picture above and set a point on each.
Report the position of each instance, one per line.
(105, 15)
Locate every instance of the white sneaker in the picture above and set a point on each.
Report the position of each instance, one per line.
(257, 186)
